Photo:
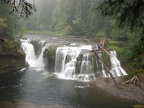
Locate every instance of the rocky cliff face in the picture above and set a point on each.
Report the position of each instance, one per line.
(11, 55)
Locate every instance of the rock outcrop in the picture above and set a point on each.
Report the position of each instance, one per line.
(11, 55)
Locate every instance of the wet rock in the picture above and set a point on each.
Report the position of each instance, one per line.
(49, 58)
(11, 55)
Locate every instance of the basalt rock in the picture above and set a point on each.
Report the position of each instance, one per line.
(11, 55)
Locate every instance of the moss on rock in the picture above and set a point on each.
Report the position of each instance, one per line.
(49, 58)
(11, 55)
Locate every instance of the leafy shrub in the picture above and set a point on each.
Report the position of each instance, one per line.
(67, 30)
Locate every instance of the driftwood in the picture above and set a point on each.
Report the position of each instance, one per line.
(101, 44)
(104, 50)
(134, 80)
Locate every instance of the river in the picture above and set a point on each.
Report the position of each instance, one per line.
(43, 88)
(33, 88)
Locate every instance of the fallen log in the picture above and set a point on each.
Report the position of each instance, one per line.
(134, 80)
(104, 50)
(107, 70)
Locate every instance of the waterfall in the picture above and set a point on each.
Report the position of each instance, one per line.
(116, 68)
(75, 62)
(31, 58)
(86, 71)
(68, 57)
(65, 61)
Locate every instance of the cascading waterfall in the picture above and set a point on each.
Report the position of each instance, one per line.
(86, 72)
(31, 58)
(116, 68)
(29, 51)
(67, 61)
(72, 62)
(40, 58)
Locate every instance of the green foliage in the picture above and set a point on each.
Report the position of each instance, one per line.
(67, 30)
(128, 15)
(73, 17)
(136, 59)
(41, 20)
(137, 71)
(138, 106)
(100, 34)
(106, 59)
(127, 12)
(2, 24)
(120, 34)
(9, 21)
(49, 56)
(50, 53)
(10, 43)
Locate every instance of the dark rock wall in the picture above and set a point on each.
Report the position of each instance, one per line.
(49, 58)
(11, 55)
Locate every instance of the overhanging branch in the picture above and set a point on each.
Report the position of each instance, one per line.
(22, 7)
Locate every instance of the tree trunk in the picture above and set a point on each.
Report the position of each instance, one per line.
(134, 80)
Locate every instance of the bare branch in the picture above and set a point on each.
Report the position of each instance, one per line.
(23, 8)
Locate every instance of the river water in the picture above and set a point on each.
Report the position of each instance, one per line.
(33, 88)
(42, 88)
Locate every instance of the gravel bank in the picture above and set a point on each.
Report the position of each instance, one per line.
(131, 92)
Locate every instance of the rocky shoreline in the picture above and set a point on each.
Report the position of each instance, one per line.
(128, 91)
(131, 92)
(15, 58)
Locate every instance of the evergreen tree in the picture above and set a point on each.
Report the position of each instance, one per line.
(129, 14)
(75, 17)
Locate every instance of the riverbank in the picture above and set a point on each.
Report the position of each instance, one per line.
(127, 91)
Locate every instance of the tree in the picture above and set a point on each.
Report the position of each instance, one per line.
(41, 19)
(128, 13)
(22, 7)
(75, 17)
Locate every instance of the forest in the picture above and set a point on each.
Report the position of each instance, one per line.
(120, 23)
(76, 18)
(81, 18)
(69, 17)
